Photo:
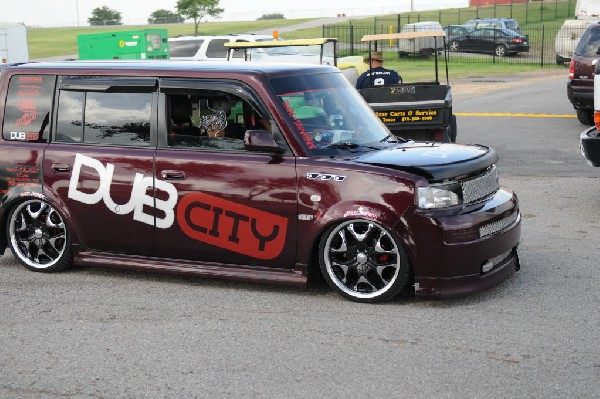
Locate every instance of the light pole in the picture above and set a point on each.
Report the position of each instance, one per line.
(77, 11)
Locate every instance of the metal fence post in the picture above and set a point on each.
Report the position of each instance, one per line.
(351, 39)
(542, 11)
(542, 55)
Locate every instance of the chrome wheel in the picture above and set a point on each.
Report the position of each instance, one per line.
(363, 261)
(38, 236)
(454, 46)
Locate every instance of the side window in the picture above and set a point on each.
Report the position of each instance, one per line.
(216, 48)
(184, 48)
(238, 53)
(104, 115)
(28, 106)
(210, 119)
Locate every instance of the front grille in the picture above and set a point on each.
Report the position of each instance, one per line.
(499, 225)
(480, 186)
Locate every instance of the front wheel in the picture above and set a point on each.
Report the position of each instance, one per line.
(38, 237)
(501, 50)
(363, 261)
(454, 45)
(585, 116)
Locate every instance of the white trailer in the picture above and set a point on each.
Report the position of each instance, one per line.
(421, 44)
(587, 12)
(13, 43)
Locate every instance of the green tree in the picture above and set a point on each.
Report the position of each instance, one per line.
(105, 16)
(164, 17)
(198, 9)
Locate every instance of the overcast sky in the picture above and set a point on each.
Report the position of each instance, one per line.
(47, 13)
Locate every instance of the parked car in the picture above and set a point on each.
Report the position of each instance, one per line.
(207, 48)
(455, 31)
(103, 163)
(500, 42)
(589, 142)
(497, 23)
(580, 85)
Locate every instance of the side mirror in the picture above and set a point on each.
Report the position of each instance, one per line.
(261, 140)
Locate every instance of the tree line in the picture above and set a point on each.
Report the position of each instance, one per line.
(195, 10)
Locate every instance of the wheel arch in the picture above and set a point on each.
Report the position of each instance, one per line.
(344, 211)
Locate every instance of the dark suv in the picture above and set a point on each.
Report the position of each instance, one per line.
(580, 87)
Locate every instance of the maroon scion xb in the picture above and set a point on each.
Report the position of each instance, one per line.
(244, 171)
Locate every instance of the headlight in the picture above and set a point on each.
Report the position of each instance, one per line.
(440, 196)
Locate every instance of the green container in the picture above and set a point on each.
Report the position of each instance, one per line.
(143, 44)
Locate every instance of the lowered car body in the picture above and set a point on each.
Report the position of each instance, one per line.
(100, 175)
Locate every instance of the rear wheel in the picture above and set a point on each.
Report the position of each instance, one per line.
(585, 116)
(501, 50)
(38, 237)
(453, 128)
(363, 261)
(454, 45)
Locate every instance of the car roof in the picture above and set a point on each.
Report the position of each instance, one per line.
(245, 36)
(151, 67)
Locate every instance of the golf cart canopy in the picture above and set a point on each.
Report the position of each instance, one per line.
(314, 51)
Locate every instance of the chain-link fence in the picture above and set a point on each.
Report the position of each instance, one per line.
(549, 45)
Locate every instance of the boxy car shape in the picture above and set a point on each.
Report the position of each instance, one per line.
(109, 163)
(580, 84)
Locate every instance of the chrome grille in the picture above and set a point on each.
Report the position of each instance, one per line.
(480, 186)
(499, 225)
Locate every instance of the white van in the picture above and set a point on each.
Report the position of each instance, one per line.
(568, 36)
(208, 48)
(13, 43)
(421, 45)
(587, 12)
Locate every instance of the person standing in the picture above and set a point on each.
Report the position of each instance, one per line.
(377, 75)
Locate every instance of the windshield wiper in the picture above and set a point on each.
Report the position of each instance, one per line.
(396, 139)
(343, 146)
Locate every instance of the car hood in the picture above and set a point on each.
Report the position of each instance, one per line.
(436, 161)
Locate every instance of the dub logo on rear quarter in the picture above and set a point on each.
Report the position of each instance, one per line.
(232, 226)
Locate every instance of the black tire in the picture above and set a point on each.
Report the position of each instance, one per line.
(500, 50)
(38, 237)
(585, 116)
(363, 261)
(453, 128)
(454, 46)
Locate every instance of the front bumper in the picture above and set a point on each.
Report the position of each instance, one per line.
(454, 255)
(589, 143)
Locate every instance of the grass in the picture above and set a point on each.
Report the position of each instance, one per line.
(53, 42)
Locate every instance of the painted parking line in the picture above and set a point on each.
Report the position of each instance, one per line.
(517, 115)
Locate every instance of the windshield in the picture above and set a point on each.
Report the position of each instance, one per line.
(329, 115)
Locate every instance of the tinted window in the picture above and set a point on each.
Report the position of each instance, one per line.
(589, 45)
(69, 125)
(184, 48)
(216, 48)
(104, 118)
(28, 105)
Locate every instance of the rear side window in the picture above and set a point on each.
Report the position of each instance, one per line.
(184, 48)
(216, 48)
(589, 45)
(105, 114)
(28, 106)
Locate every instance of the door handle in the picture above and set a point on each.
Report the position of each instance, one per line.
(61, 167)
(172, 175)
